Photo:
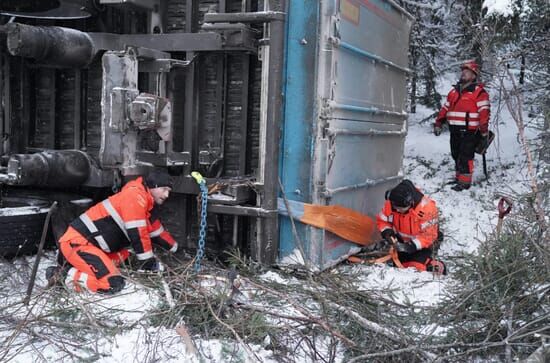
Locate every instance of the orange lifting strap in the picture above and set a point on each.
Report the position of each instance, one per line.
(392, 255)
(344, 222)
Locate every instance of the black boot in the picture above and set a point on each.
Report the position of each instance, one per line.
(460, 187)
(437, 267)
(56, 274)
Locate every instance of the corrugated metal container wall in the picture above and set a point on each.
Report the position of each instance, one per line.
(345, 113)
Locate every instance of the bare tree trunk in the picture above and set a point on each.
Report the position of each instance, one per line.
(510, 331)
(414, 78)
(522, 69)
(545, 148)
(514, 103)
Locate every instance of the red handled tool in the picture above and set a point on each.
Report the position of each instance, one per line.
(504, 207)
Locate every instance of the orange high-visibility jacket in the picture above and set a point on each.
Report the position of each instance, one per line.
(122, 221)
(469, 110)
(419, 225)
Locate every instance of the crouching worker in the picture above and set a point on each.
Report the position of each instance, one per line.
(409, 221)
(98, 241)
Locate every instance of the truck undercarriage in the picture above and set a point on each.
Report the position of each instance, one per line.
(96, 92)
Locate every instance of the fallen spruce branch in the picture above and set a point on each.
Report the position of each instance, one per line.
(245, 346)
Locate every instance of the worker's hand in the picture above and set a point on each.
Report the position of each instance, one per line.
(388, 234)
(151, 265)
(404, 247)
(437, 130)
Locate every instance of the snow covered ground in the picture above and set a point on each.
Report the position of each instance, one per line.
(467, 217)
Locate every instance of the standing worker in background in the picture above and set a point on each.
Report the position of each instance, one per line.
(99, 240)
(409, 221)
(467, 112)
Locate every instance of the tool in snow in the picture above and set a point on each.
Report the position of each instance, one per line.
(39, 253)
(343, 222)
(482, 149)
(504, 207)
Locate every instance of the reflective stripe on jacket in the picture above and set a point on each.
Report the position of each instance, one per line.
(469, 110)
(419, 225)
(120, 221)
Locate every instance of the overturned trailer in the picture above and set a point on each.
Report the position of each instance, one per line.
(263, 97)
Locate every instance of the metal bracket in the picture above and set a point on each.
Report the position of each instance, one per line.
(208, 157)
(120, 97)
(161, 65)
(232, 194)
(149, 111)
(235, 35)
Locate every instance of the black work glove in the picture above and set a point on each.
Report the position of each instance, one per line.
(388, 234)
(381, 245)
(404, 247)
(151, 265)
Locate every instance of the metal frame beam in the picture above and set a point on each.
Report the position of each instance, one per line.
(239, 210)
(6, 109)
(266, 250)
(255, 17)
(174, 42)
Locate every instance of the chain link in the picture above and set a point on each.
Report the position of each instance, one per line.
(203, 226)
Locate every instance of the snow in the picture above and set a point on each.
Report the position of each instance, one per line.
(405, 286)
(295, 258)
(273, 277)
(498, 7)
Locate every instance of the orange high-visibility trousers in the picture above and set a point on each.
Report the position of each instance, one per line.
(93, 269)
(422, 261)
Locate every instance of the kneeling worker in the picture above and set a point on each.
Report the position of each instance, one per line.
(409, 221)
(99, 240)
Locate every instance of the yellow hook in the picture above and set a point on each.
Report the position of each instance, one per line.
(198, 177)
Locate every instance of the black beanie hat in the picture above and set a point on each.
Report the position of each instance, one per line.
(159, 178)
(402, 195)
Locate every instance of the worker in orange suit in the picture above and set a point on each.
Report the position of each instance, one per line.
(100, 239)
(409, 221)
(467, 111)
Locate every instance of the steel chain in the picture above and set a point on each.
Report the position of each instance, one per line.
(203, 226)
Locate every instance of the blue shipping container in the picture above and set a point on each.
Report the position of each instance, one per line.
(344, 114)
